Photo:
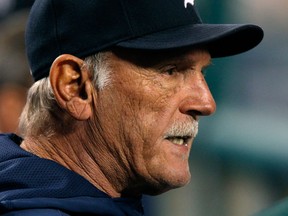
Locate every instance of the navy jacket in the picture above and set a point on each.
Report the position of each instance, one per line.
(32, 186)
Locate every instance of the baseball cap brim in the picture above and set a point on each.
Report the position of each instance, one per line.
(219, 39)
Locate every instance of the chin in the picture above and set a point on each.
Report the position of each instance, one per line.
(180, 181)
(177, 177)
(168, 183)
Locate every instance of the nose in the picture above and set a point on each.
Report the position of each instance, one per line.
(199, 100)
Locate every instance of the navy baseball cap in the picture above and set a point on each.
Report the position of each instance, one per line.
(82, 28)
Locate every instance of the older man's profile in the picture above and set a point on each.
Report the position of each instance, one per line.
(115, 106)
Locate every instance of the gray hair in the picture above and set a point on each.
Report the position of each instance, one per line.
(42, 114)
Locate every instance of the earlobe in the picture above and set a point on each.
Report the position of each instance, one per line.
(71, 85)
(80, 108)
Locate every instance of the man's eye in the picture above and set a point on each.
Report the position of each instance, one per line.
(170, 70)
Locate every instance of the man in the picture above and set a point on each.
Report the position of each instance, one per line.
(114, 109)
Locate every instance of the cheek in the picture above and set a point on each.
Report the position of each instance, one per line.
(148, 108)
(146, 121)
(144, 109)
(147, 114)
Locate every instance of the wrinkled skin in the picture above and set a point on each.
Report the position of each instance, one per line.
(133, 136)
(148, 94)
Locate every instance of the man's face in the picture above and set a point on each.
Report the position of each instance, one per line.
(149, 114)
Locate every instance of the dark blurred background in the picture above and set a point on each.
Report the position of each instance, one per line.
(14, 70)
(239, 161)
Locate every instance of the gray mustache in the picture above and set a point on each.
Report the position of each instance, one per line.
(183, 129)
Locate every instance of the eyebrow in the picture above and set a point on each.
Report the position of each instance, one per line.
(186, 60)
(206, 66)
(157, 58)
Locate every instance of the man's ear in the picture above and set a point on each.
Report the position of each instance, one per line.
(72, 86)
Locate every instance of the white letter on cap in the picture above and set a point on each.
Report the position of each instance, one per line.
(186, 2)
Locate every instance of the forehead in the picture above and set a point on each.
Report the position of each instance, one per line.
(145, 58)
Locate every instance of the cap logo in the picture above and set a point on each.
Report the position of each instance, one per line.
(186, 2)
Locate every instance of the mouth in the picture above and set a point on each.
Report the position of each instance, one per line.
(179, 140)
(181, 133)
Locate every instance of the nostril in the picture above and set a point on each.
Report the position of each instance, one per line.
(196, 107)
(193, 113)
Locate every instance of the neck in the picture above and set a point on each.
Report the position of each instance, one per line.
(89, 159)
